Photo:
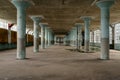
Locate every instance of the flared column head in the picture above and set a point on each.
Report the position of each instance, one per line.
(22, 3)
(78, 24)
(43, 24)
(86, 18)
(105, 3)
(36, 18)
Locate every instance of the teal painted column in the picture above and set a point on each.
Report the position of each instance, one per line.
(36, 20)
(55, 39)
(105, 5)
(42, 37)
(74, 36)
(46, 37)
(65, 40)
(43, 25)
(9, 35)
(79, 44)
(87, 32)
(21, 6)
(49, 36)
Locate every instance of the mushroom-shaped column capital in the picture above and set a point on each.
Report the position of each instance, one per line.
(36, 18)
(43, 24)
(105, 3)
(86, 18)
(78, 24)
(21, 3)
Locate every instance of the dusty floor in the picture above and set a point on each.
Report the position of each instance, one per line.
(59, 63)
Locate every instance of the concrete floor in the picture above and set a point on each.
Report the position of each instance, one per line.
(59, 63)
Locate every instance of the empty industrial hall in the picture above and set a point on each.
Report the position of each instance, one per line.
(59, 39)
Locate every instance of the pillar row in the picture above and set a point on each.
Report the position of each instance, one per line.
(105, 5)
(21, 6)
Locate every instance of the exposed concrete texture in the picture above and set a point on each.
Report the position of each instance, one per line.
(59, 63)
(105, 48)
(21, 52)
(21, 6)
(105, 18)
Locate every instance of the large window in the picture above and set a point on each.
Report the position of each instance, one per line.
(4, 25)
(117, 33)
(97, 36)
(91, 36)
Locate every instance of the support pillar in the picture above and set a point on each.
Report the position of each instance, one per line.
(79, 44)
(87, 32)
(49, 36)
(46, 37)
(21, 6)
(9, 35)
(93, 38)
(43, 25)
(36, 20)
(105, 5)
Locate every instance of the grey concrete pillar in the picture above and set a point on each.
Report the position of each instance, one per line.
(105, 5)
(46, 37)
(21, 6)
(49, 36)
(36, 20)
(43, 25)
(55, 39)
(9, 35)
(87, 32)
(79, 29)
(93, 38)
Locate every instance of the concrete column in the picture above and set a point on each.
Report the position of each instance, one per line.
(105, 5)
(9, 35)
(49, 36)
(55, 39)
(36, 20)
(46, 37)
(64, 40)
(21, 6)
(42, 37)
(79, 44)
(87, 32)
(43, 25)
(93, 38)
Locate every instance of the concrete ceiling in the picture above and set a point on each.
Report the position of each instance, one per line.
(61, 15)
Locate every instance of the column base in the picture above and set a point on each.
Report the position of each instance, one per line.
(86, 49)
(21, 53)
(104, 49)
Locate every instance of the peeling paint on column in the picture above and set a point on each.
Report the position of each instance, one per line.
(87, 32)
(105, 11)
(21, 6)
